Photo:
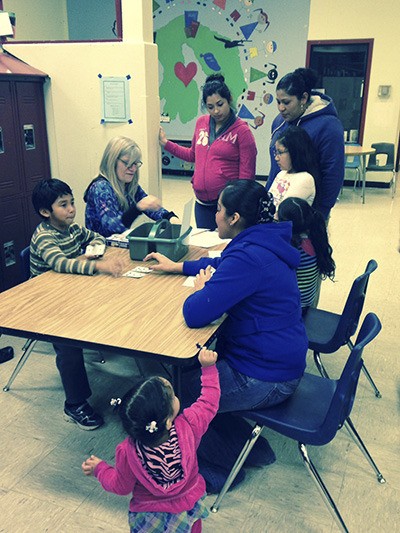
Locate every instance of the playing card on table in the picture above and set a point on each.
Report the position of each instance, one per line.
(133, 274)
(144, 270)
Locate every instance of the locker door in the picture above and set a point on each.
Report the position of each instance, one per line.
(32, 132)
(12, 241)
(10, 181)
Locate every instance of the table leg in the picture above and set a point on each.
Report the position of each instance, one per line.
(363, 175)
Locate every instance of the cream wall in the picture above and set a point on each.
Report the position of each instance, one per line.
(76, 137)
(32, 16)
(73, 101)
(364, 19)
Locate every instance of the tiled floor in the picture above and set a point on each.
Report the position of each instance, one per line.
(41, 484)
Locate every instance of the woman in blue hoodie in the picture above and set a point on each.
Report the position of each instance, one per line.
(300, 105)
(262, 342)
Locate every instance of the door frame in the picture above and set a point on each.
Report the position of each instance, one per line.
(370, 43)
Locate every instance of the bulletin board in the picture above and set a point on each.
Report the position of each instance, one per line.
(253, 43)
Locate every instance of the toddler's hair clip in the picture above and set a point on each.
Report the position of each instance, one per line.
(115, 402)
(152, 427)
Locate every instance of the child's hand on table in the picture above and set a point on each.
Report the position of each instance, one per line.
(110, 265)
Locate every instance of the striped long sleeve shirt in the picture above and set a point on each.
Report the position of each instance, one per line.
(52, 249)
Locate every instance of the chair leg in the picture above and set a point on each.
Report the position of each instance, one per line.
(371, 381)
(256, 432)
(367, 374)
(321, 487)
(319, 365)
(357, 439)
(26, 352)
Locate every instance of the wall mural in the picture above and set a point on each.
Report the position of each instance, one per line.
(253, 43)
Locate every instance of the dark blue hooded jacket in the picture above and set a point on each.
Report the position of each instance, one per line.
(255, 284)
(321, 122)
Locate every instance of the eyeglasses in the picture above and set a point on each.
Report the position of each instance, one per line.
(278, 153)
(137, 163)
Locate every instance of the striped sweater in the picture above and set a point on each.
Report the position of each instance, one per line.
(52, 249)
(307, 273)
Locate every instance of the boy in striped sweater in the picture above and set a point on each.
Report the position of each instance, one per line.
(57, 244)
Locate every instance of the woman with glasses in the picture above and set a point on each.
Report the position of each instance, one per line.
(223, 148)
(114, 199)
(299, 104)
(296, 157)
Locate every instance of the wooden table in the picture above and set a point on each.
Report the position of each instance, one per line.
(362, 152)
(136, 317)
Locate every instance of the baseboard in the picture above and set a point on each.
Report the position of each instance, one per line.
(372, 184)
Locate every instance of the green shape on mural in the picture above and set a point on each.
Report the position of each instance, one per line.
(155, 5)
(175, 47)
(256, 74)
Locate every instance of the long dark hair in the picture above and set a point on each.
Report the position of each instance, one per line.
(250, 199)
(144, 410)
(215, 84)
(308, 220)
(302, 153)
(298, 82)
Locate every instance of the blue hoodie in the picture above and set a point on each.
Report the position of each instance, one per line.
(321, 122)
(255, 284)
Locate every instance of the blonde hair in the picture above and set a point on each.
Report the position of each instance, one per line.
(117, 148)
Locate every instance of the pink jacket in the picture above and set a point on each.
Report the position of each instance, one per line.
(128, 475)
(230, 156)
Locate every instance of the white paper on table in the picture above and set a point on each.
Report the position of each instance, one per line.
(206, 238)
(189, 281)
(214, 253)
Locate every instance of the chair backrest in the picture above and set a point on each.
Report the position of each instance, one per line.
(25, 256)
(350, 317)
(346, 387)
(382, 148)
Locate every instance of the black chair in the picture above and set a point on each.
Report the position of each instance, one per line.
(327, 332)
(313, 415)
(30, 343)
(386, 149)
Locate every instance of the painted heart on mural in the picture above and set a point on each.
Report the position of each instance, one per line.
(185, 74)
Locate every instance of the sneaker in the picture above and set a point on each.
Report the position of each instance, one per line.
(6, 354)
(83, 416)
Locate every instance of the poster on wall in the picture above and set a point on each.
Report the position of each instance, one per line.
(253, 43)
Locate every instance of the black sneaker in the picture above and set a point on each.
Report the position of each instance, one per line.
(83, 416)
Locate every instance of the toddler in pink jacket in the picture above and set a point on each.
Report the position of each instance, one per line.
(157, 462)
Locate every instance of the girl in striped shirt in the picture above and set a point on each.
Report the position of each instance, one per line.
(157, 462)
(310, 237)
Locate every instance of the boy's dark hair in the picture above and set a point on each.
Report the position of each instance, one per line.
(46, 193)
(144, 410)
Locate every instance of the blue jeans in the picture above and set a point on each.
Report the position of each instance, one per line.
(227, 434)
(71, 366)
(238, 392)
(205, 215)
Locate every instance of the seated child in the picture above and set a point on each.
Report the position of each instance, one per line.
(157, 462)
(56, 244)
(310, 237)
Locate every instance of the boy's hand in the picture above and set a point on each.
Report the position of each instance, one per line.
(207, 357)
(90, 464)
(111, 265)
